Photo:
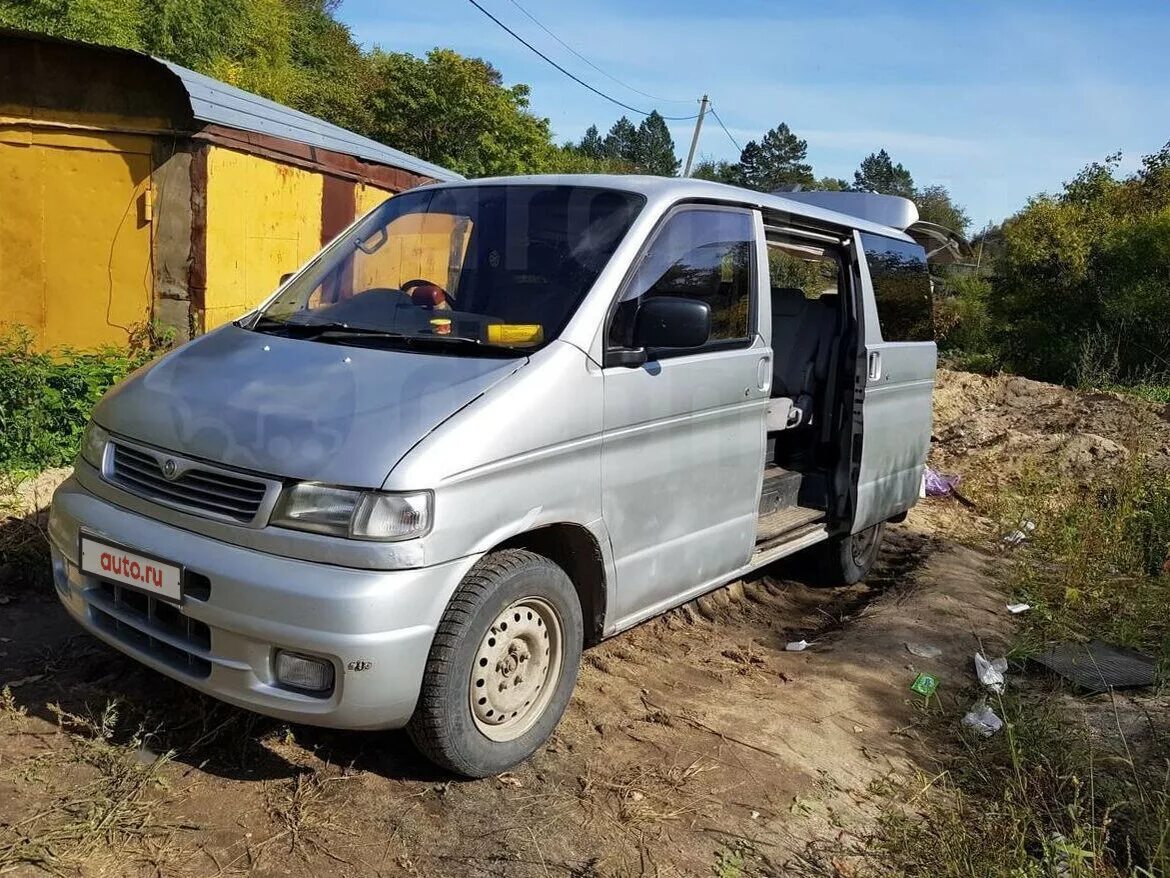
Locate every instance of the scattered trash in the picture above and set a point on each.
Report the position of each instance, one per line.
(1016, 609)
(1098, 667)
(799, 645)
(940, 485)
(145, 756)
(925, 685)
(1021, 534)
(982, 719)
(510, 779)
(991, 673)
(923, 650)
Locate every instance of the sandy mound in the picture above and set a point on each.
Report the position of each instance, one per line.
(993, 428)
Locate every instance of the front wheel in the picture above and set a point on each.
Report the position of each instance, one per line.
(502, 666)
(845, 559)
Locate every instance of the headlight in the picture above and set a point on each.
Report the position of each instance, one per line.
(361, 515)
(93, 444)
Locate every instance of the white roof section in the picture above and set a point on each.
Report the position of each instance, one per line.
(670, 189)
(221, 104)
(888, 210)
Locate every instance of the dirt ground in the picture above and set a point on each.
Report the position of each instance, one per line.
(694, 744)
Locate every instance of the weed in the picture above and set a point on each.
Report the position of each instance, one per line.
(1066, 789)
(100, 823)
(304, 808)
(46, 397)
(730, 862)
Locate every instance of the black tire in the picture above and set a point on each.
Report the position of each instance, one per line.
(842, 560)
(443, 726)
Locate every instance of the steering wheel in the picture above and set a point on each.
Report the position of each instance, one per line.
(425, 293)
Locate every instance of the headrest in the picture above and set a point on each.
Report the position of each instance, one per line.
(788, 300)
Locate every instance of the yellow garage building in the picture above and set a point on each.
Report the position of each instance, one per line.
(137, 193)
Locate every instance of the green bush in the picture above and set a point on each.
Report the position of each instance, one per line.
(46, 398)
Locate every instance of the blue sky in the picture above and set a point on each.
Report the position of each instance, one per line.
(996, 100)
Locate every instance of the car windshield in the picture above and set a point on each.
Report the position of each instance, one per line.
(458, 269)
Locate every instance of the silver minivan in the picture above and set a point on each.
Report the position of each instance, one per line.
(490, 424)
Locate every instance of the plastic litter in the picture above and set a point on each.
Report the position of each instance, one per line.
(982, 719)
(991, 673)
(925, 685)
(923, 650)
(939, 484)
(799, 645)
(1016, 609)
(1021, 535)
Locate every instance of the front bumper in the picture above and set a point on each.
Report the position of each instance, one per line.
(240, 606)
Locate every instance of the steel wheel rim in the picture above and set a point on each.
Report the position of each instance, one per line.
(516, 668)
(862, 543)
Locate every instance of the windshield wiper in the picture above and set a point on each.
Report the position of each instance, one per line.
(357, 334)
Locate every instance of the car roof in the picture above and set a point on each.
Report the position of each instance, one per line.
(671, 189)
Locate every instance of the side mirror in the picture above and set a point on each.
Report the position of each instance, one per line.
(672, 322)
(285, 277)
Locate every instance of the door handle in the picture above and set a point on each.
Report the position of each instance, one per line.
(764, 373)
(875, 365)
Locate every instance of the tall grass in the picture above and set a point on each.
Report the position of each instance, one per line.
(1071, 787)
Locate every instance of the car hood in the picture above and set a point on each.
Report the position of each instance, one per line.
(295, 408)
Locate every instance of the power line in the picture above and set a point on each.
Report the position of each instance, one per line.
(576, 79)
(724, 127)
(644, 94)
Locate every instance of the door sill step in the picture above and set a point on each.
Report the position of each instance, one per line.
(784, 521)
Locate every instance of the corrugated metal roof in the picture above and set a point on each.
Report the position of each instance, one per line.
(222, 104)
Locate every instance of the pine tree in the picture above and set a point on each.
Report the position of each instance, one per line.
(621, 143)
(782, 160)
(591, 145)
(655, 147)
(878, 173)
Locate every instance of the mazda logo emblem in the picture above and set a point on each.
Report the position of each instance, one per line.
(170, 468)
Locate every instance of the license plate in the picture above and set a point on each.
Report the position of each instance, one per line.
(131, 568)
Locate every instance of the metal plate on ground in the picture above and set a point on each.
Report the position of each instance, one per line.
(1098, 667)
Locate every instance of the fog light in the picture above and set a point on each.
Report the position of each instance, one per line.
(303, 672)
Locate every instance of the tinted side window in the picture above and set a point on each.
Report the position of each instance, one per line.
(901, 285)
(703, 254)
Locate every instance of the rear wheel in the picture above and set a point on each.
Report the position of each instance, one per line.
(845, 559)
(502, 666)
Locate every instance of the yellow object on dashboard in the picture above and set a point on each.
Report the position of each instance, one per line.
(515, 333)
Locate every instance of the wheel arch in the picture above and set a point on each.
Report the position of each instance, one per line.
(576, 550)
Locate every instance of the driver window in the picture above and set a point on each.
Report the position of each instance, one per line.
(699, 253)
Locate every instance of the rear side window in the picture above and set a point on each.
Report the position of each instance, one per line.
(901, 286)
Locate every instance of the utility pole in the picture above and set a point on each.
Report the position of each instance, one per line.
(695, 139)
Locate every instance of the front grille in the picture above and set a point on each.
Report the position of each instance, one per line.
(151, 626)
(196, 488)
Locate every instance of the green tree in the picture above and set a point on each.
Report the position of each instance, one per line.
(878, 173)
(591, 145)
(113, 22)
(621, 143)
(1080, 277)
(777, 161)
(831, 184)
(456, 112)
(654, 147)
(935, 205)
(717, 171)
